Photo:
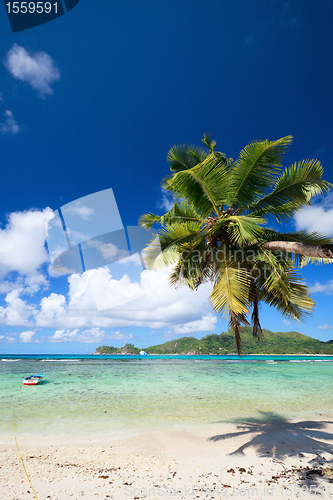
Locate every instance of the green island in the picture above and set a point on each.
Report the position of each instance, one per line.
(270, 343)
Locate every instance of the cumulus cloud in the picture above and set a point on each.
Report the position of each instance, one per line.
(9, 126)
(326, 288)
(205, 324)
(17, 312)
(166, 201)
(325, 327)
(155, 304)
(95, 300)
(317, 217)
(64, 336)
(38, 70)
(22, 243)
(131, 259)
(52, 308)
(78, 209)
(108, 251)
(286, 322)
(89, 336)
(27, 336)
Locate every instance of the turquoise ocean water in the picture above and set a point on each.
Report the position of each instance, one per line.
(90, 396)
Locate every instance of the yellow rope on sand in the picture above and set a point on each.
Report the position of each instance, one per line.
(20, 454)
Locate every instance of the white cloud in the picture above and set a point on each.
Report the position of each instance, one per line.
(108, 251)
(27, 336)
(89, 336)
(317, 217)
(147, 301)
(326, 288)
(205, 324)
(325, 327)
(8, 286)
(17, 311)
(10, 340)
(79, 209)
(166, 201)
(52, 308)
(38, 70)
(109, 292)
(158, 306)
(22, 243)
(9, 126)
(155, 304)
(131, 259)
(64, 336)
(286, 322)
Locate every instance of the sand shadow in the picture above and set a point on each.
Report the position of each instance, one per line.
(275, 436)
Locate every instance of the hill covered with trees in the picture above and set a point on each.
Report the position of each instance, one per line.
(271, 343)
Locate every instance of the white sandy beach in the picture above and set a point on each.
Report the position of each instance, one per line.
(274, 460)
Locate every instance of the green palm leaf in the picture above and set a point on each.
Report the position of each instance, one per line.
(203, 184)
(147, 220)
(256, 169)
(215, 230)
(293, 189)
(173, 240)
(231, 291)
(183, 157)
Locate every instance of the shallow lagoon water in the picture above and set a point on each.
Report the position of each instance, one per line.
(97, 395)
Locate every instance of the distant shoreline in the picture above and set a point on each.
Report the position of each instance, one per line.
(197, 354)
(269, 343)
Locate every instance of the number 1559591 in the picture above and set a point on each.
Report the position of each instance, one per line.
(31, 7)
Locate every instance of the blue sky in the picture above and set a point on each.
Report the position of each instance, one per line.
(94, 100)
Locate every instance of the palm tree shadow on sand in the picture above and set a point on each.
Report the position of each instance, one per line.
(277, 437)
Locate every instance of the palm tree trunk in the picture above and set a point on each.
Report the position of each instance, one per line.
(320, 251)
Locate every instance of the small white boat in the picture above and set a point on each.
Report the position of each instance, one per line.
(143, 353)
(33, 379)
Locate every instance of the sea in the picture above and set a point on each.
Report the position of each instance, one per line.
(94, 396)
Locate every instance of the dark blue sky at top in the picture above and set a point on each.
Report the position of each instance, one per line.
(138, 77)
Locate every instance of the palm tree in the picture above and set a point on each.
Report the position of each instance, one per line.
(216, 231)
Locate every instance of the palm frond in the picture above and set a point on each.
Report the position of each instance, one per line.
(297, 307)
(172, 241)
(231, 291)
(215, 229)
(245, 230)
(181, 212)
(292, 190)
(303, 260)
(147, 220)
(256, 169)
(203, 185)
(182, 157)
(192, 271)
(208, 142)
(282, 286)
